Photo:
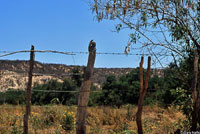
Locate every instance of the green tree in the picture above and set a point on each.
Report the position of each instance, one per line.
(124, 90)
(160, 27)
(69, 98)
(13, 96)
(77, 77)
(175, 23)
(45, 93)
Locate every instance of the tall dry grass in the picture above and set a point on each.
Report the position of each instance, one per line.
(100, 120)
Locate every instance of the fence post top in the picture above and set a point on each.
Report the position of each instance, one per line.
(92, 46)
(32, 47)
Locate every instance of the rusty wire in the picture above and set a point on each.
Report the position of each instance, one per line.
(26, 51)
(74, 53)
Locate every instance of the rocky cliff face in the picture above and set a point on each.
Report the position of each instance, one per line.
(11, 79)
(14, 74)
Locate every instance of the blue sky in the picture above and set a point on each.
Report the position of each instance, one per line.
(62, 25)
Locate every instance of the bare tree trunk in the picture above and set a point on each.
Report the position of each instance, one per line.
(195, 93)
(85, 91)
(143, 91)
(28, 91)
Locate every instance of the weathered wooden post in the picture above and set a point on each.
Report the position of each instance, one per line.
(143, 91)
(28, 91)
(85, 91)
(195, 93)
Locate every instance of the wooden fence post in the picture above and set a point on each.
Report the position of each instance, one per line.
(143, 91)
(28, 91)
(195, 92)
(85, 90)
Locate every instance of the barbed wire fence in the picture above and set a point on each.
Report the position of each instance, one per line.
(7, 53)
(25, 118)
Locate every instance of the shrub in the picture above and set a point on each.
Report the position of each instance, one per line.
(35, 121)
(118, 92)
(49, 117)
(184, 101)
(68, 98)
(13, 96)
(16, 126)
(68, 121)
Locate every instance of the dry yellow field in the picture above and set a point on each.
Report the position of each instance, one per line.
(100, 120)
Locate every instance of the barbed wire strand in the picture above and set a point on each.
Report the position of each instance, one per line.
(73, 53)
(39, 51)
(35, 75)
(53, 91)
(70, 74)
(64, 91)
(57, 91)
(33, 106)
(118, 53)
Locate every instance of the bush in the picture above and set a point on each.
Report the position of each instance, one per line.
(49, 117)
(68, 121)
(13, 96)
(148, 100)
(68, 98)
(122, 91)
(94, 99)
(35, 121)
(184, 100)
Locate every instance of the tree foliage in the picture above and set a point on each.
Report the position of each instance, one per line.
(77, 77)
(40, 97)
(115, 91)
(118, 92)
(159, 26)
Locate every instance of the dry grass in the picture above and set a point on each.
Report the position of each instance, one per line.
(100, 120)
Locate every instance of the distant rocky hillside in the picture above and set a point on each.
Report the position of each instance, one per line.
(13, 74)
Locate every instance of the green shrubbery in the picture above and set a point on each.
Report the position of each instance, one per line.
(118, 92)
(41, 98)
(68, 121)
(125, 90)
(13, 96)
(115, 92)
